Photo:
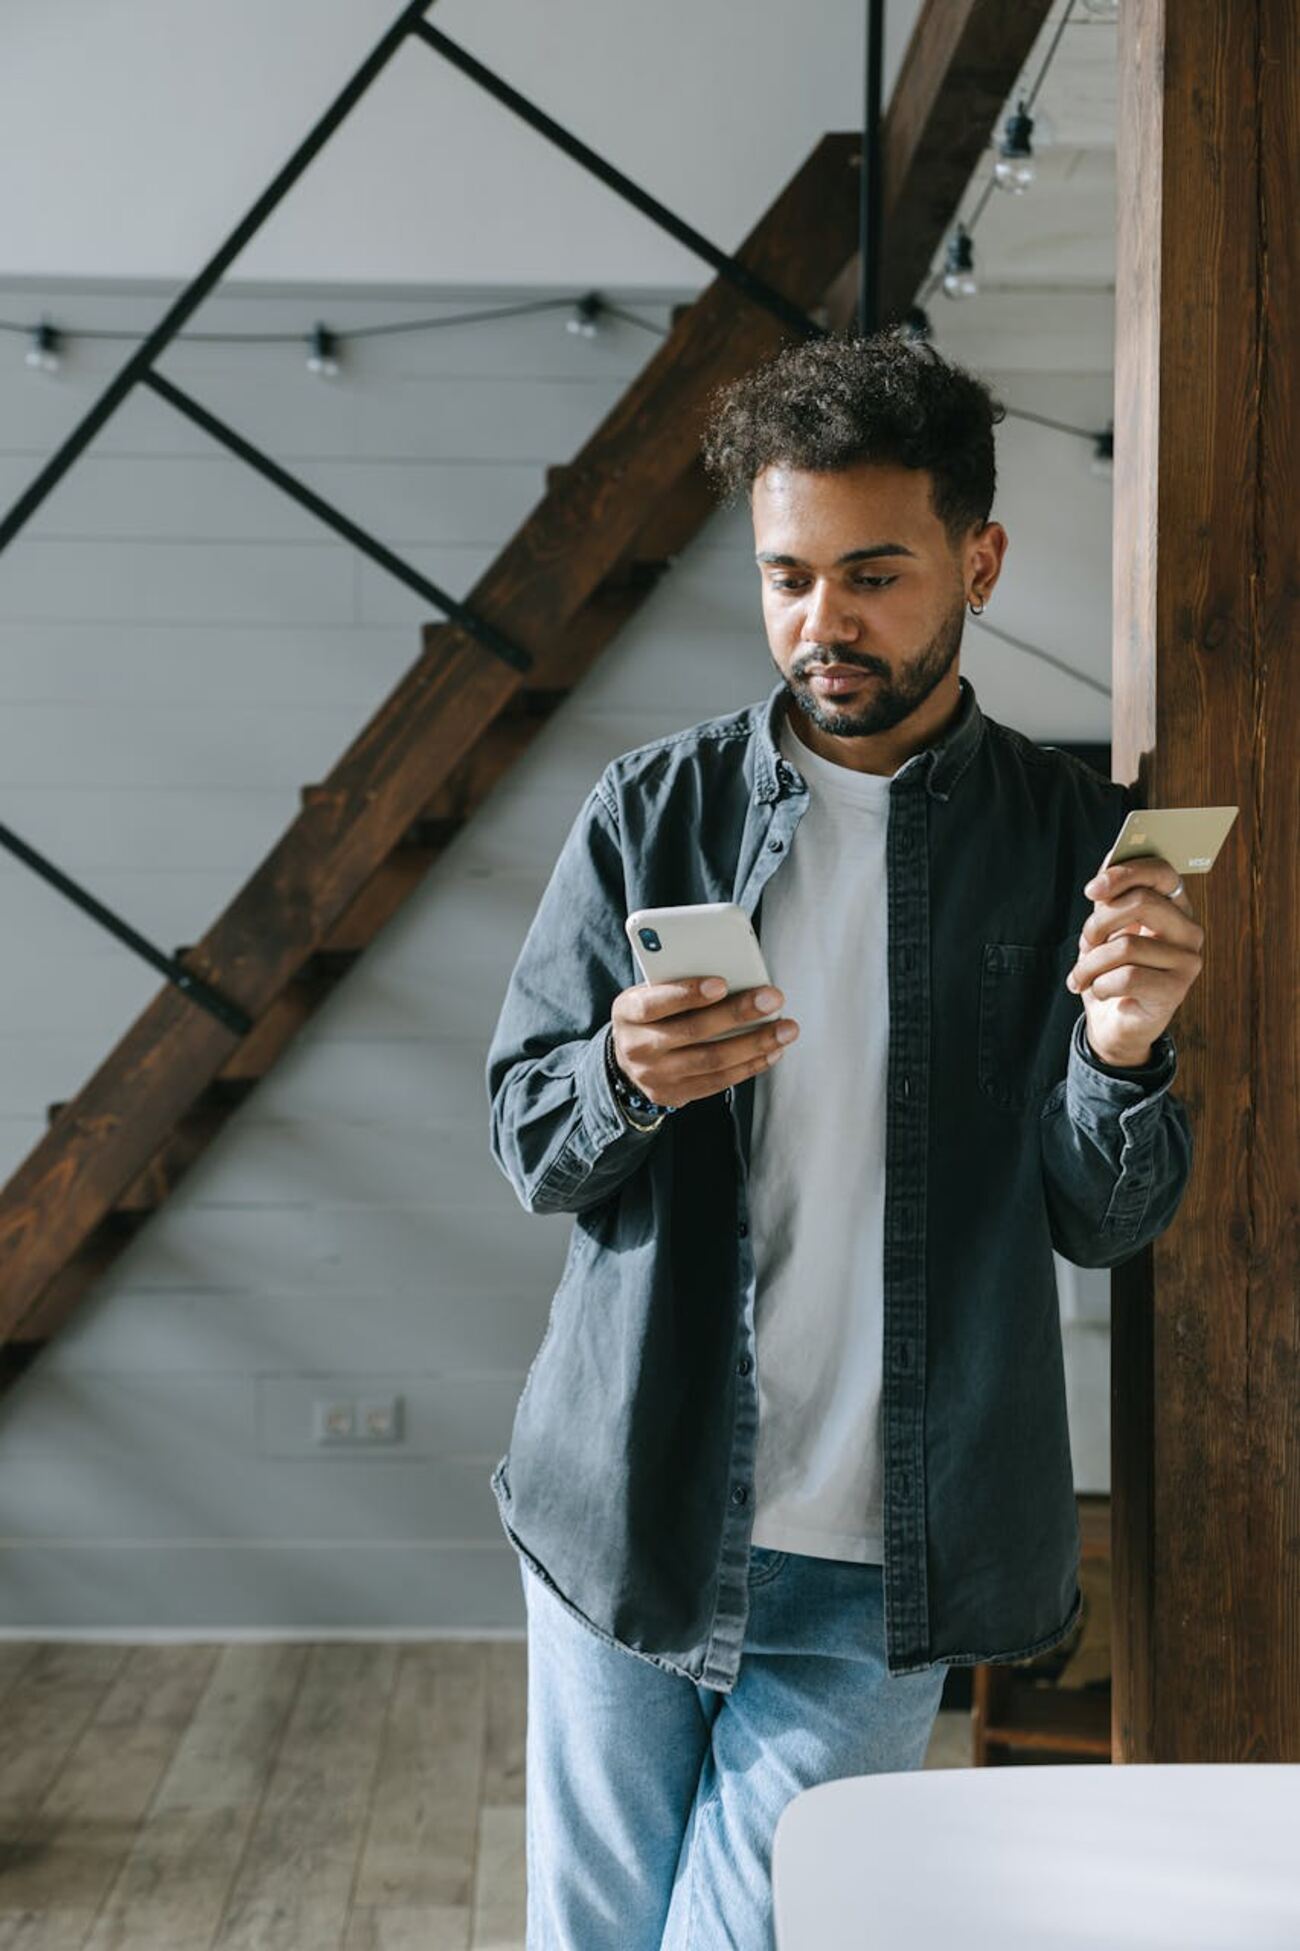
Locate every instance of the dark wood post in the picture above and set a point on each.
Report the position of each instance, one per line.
(1206, 1324)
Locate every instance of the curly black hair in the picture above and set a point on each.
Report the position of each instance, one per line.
(826, 404)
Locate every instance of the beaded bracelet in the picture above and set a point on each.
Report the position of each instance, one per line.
(633, 1101)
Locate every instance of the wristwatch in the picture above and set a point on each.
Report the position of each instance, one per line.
(636, 1107)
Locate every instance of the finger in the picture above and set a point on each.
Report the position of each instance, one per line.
(650, 1002)
(703, 1025)
(701, 1060)
(1137, 905)
(1164, 988)
(1139, 951)
(688, 1091)
(1147, 870)
(685, 1046)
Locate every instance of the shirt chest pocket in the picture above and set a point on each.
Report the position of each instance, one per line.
(1026, 1014)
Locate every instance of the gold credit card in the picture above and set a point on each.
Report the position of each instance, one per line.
(1188, 837)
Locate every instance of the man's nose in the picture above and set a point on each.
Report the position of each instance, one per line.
(828, 618)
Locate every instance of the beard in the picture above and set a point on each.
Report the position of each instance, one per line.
(893, 695)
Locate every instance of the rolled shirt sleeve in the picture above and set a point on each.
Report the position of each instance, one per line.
(1116, 1152)
(556, 1129)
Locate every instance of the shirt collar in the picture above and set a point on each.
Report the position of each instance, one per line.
(941, 764)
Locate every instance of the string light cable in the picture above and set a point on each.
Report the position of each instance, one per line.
(1013, 171)
(585, 312)
(916, 325)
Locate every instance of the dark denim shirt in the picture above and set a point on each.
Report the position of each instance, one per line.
(628, 1482)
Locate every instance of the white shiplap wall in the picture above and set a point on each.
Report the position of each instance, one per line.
(180, 649)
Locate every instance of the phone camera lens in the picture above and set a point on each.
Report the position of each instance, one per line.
(649, 939)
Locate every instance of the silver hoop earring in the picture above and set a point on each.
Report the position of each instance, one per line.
(976, 609)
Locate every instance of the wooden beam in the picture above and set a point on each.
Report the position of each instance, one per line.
(960, 65)
(106, 1136)
(1206, 1323)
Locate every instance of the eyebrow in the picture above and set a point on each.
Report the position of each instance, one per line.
(854, 555)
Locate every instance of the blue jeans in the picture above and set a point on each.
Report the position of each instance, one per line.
(652, 1801)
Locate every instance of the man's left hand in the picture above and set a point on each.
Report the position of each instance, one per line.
(1139, 954)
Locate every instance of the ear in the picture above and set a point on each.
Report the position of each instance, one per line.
(984, 555)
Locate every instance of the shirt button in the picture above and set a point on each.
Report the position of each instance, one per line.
(744, 1365)
(775, 846)
(739, 1494)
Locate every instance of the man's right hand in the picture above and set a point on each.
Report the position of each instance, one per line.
(660, 1032)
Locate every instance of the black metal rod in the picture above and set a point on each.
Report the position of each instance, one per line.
(870, 199)
(467, 620)
(198, 991)
(754, 287)
(197, 290)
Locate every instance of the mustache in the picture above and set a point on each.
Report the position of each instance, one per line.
(850, 663)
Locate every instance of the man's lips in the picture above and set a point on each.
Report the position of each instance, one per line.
(836, 677)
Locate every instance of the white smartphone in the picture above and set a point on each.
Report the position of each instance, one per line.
(703, 938)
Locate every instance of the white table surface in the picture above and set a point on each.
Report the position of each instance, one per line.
(1172, 1856)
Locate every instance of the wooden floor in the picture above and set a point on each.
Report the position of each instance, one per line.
(333, 1796)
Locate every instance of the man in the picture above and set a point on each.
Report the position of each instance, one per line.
(795, 1440)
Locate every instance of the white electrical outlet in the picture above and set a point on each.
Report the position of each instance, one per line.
(379, 1419)
(333, 1420)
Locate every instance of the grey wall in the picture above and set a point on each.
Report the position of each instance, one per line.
(180, 650)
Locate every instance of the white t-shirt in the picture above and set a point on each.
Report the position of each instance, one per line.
(817, 1175)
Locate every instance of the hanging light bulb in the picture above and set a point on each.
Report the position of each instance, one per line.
(1044, 130)
(959, 265)
(1102, 463)
(1102, 9)
(321, 357)
(43, 352)
(1014, 168)
(585, 316)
